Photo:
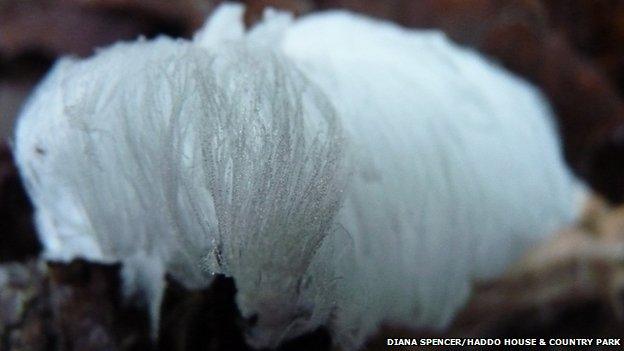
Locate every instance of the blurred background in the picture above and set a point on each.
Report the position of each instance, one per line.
(573, 50)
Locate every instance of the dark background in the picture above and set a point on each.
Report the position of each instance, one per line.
(572, 50)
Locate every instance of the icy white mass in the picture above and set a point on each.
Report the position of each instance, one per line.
(345, 171)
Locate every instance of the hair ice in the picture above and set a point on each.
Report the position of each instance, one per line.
(344, 171)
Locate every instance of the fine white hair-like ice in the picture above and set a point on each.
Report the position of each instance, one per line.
(344, 171)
